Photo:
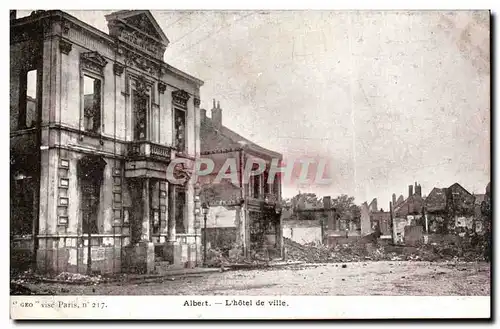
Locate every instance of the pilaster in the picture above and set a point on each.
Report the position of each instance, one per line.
(146, 234)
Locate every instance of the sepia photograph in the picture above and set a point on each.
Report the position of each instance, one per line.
(228, 155)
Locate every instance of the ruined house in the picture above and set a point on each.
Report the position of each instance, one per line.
(96, 118)
(320, 221)
(379, 220)
(408, 213)
(253, 203)
(450, 208)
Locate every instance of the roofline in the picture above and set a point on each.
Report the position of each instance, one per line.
(461, 187)
(63, 14)
(116, 14)
(184, 75)
(253, 147)
(221, 151)
(239, 149)
(263, 151)
(101, 34)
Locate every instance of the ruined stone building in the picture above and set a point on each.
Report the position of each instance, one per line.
(379, 220)
(253, 204)
(450, 208)
(408, 213)
(95, 120)
(321, 221)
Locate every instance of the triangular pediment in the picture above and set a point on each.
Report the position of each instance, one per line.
(139, 20)
(143, 23)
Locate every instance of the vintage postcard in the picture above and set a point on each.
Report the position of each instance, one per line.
(250, 164)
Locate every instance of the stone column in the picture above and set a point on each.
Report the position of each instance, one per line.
(197, 125)
(245, 231)
(238, 222)
(163, 211)
(146, 243)
(146, 234)
(190, 208)
(171, 213)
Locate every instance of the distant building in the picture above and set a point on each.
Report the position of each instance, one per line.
(408, 212)
(378, 219)
(450, 208)
(382, 220)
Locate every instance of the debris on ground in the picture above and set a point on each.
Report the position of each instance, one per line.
(234, 257)
(77, 277)
(367, 250)
(22, 289)
(21, 279)
(19, 289)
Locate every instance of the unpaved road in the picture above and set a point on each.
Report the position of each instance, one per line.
(370, 278)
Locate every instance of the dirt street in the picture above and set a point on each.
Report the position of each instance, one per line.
(369, 278)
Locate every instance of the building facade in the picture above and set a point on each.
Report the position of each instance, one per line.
(96, 119)
(253, 203)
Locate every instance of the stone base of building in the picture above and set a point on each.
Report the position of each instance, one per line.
(138, 258)
(21, 254)
(182, 255)
(57, 255)
(104, 260)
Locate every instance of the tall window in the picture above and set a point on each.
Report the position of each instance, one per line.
(256, 186)
(180, 202)
(31, 102)
(27, 111)
(90, 205)
(265, 177)
(141, 106)
(92, 104)
(180, 129)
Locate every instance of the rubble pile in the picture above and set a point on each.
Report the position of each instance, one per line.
(363, 250)
(20, 289)
(307, 253)
(77, 278)
(221, 258)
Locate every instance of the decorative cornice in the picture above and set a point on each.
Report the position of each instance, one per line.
(138, 61)
(162, 87)
(93, 61)
(65, 27)
(118, 69)
(180, 98)
(65, 47)
(196, 102)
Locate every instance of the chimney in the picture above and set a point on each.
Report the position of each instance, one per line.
(203, 115)
(327, 202)
(410, 190)
(393, 198)
(217, 115)
(418, 190)
(13, 14)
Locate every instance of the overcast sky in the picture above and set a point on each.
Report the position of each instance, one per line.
(387, 98)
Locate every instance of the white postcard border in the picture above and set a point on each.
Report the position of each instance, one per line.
(248, 307)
